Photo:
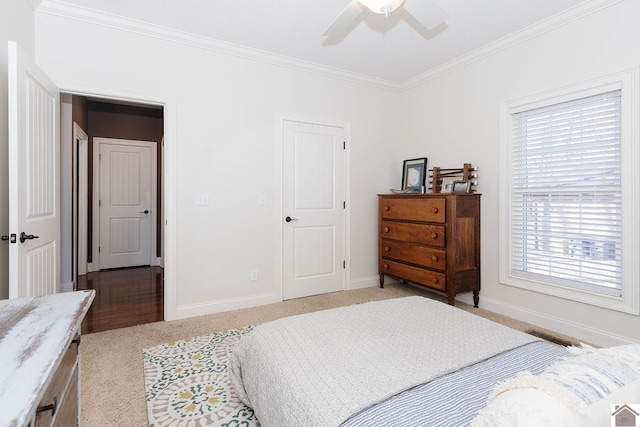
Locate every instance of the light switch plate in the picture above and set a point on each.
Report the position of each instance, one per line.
(202, 200)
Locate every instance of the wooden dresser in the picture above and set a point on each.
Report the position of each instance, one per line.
(40, 359)
(432, 240)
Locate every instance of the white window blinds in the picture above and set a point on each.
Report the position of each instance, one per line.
(565, 201)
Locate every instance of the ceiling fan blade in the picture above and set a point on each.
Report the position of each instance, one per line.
(427, 12)
(342, 22)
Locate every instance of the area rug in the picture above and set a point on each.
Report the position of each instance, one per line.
(187, 383)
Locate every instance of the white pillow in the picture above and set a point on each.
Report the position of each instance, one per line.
(576, 391)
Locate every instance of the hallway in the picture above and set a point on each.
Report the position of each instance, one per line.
(124, 297)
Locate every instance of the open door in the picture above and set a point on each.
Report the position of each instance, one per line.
(34, 178)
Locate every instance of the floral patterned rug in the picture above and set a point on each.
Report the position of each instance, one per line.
(187, 384)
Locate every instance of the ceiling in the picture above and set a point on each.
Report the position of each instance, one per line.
(390, 49)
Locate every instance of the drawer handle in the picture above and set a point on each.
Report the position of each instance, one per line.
(387, 248)
(434, 258)
(434, 235)
(434, 280)
(52, 407)
(385, 266)
(387, 208)
(386, 229)
(434, 210)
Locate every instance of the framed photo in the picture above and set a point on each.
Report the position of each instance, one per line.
(447, 185)
(461, 187)
(414, 172)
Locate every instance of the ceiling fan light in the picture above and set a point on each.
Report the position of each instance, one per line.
(382, 6)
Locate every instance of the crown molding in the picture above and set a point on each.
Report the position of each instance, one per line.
(575, 13)
(35, 4)
(66, 10)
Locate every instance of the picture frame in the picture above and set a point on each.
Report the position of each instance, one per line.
(461, 187)
(414, 173)
(447, 185)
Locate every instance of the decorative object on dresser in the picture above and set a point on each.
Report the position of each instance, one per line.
(447, 185)
(461, 187)
(431, 240)
(414, 172)
(40, 369)
(439, 177)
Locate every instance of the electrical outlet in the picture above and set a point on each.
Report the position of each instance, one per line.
(254, 275)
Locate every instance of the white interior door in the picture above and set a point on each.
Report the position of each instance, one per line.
(127, 195)
(34, 178)
(313, 207)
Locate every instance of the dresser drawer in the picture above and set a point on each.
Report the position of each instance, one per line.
(413, 209)
(414, 254)
(57, 387)
(67, 414)
(429, 278)
(432, 235)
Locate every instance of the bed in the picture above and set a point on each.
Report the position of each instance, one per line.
(416, 362)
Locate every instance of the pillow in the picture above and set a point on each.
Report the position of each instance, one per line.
(576, 391)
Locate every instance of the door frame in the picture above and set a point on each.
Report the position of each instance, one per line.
(80, 181)
(153, 145)
(169, 175)
(279, 134)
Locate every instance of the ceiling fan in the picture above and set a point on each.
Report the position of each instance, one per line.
(428, 13)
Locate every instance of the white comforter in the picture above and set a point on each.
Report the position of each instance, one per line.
(320, 368)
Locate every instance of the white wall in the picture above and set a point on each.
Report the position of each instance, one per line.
(16, 24)
(221, 117)
(457, 117)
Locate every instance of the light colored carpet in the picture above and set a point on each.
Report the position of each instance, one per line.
(113, 391)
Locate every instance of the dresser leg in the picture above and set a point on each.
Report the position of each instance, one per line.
(382, 280)
(476, 298)
(451, 300)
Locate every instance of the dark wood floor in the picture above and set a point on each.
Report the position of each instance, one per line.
(124, 297)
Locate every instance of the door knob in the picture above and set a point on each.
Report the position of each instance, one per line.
(11, 238)
(289, 219)
(24, 236)
(146, 211)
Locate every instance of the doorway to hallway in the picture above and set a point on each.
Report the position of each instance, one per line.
(124, 297)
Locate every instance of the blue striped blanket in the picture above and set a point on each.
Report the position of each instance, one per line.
(456, 398)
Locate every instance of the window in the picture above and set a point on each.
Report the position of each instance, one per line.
(563, 202)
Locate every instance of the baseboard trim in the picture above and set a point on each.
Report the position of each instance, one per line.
(585, 333)
(367, 282)
(191, 310)
(66, 287)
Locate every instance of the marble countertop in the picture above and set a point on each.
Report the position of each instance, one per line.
(34, 334)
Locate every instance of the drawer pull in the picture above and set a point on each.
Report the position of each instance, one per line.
(385, 266)
(387, 208)
(434, 210)
(52, 407)
(434, 235)
(434, 258)
(386, 229)
(434, 280)
(387, 248)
